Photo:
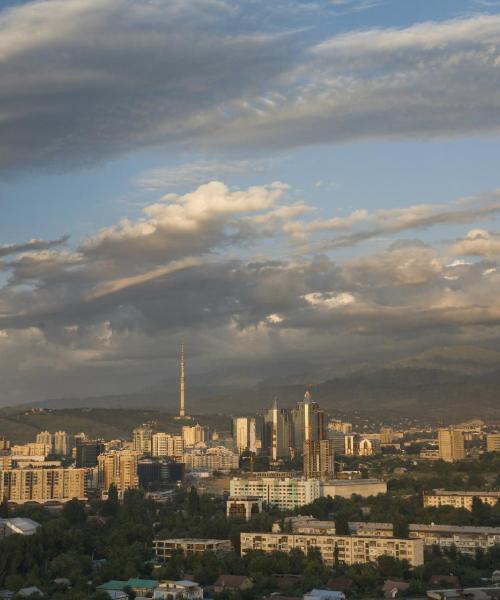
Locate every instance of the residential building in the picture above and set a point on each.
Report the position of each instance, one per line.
(319, 459)
(232, 584)
(338, 425)
(142, 439)
(167, 445)
(459, 499)
(119, 468)
(178, 590)
(61, 443)
(324, 595)
(31, 449)
(451, 444)
(218, 458)
(493, 442)
(45, 437)
(465, 539)
(371, 529)
(286, 494)
(139, 587)
(386, 435)
(42, 485)
(345, 488)
(243, 507)
(164, 548)
(192, 435)
(347, 549)
(309, 525)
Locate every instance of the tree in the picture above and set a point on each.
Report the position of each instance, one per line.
(74, 512)
(193, 501)
(112, 504)
(4, 508)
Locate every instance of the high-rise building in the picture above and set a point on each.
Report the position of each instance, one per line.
(182, 382)
(141, 439)
(192, 435)
(45, 437)
(247, 434)
(338, 439)
(308, 422)
(451, 444)
(61, 443)
(339, 425)
(386, 435)
(493, 442)
(319, 459)
(119, 468)
(87, 452)
(167, 445)
(369, 446)
(278, 432)
(42, 485)
(285, 493)
(351, 445)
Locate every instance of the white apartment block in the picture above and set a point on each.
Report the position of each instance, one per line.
(167, 445)
(286, 494)
(466, 539)
(347, 549)
(218, 458)
(459, 499)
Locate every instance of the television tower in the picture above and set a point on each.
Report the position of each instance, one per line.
(182, 375)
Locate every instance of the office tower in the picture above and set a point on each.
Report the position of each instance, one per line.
(141, 439)
(167, 445)
(195, 434)
(45, 437)
(278, 432)
(451, 444)
(338, 439)
(247, 434)
(4, 444)
(369, 447)
(319, 459)
(149, 473)
(61, 443)
(119, 468)
(87, 452)
(308, 422)
(351, 445)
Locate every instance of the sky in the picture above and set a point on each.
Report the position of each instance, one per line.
(287, 187)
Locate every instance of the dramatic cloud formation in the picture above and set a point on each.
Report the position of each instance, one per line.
(90, 79)
(195, 266)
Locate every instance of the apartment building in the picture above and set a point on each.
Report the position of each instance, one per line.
(466, 539)
(164, 549)
(459, 499)
(371, 529)
(165, 445)
(347, 549)
(493, 442)
(118, 468)
(451, 444)
(42, 485)
(218, 458)
(286, 494)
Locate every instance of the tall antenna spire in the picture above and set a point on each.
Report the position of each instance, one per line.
(182, 410)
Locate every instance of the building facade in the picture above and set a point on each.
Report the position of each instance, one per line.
(164, 549)
(286, 494)
(459, 499)
(451, 444)
(42, 485)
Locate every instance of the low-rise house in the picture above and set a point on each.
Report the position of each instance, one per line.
(178, 590)
(17, 525)
(340, 583)
(392, 588)
(323, 595)
(232, 583)
(140, 587)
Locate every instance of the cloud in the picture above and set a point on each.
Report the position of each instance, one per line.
(107, 316)
(477, 242)
(88, 80)
(31, 246)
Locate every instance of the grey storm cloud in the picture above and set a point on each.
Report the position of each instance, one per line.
(90, 79)
(32, 245)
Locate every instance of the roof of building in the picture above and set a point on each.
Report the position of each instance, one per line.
(117, 584)
(493, 493)
(191, 540)
(453, 528)
(23, 524)
(231, 581)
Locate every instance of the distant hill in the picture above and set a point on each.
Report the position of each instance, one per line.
(441, 384)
